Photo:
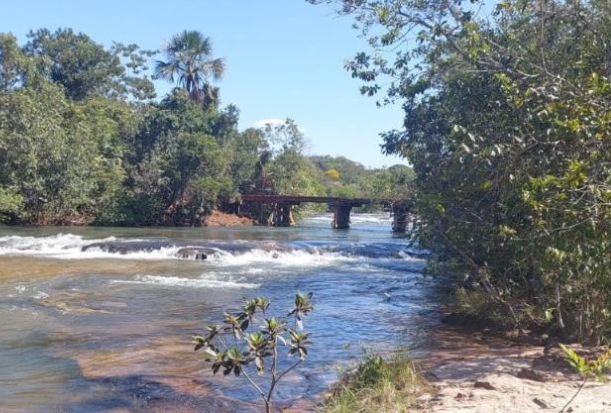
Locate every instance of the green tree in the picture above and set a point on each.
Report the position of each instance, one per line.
(11, 204)
(388, 184)
(349, 171)
(52, 154)
(289, 171)
(506, 126)
(84, 68)
(13, 63)
(161, 122)
(174, 184)
(248, 149)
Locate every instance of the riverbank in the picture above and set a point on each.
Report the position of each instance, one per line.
(222, 219)
(478, 372)
(215, 219)
(460, 370)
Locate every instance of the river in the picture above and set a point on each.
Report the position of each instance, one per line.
(101, 330)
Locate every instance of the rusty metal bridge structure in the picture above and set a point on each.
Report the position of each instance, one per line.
(281, 207)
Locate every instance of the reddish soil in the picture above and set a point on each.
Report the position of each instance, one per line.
(221, 219)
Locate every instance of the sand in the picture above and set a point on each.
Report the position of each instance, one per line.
(476, 372)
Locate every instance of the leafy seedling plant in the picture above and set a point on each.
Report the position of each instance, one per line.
(251, 341)
(588, 369)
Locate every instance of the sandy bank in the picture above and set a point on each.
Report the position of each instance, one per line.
(474, 372)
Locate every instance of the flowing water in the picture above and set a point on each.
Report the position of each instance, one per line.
(100, 319)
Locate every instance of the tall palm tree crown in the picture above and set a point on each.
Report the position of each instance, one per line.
(189, 63)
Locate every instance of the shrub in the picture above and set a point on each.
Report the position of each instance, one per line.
(379, 386)
(237, 347)
(588, 369)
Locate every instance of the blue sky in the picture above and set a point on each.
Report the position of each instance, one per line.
(284, 59)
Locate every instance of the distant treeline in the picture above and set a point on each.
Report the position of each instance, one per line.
(84, 140)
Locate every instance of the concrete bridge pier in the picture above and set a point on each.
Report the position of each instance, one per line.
(341, 216)
(399, 222)
(282, 208)
(281, 216)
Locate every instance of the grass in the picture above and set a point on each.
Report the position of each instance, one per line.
(380, 386)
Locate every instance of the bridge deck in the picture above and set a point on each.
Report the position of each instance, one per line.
(296, 200)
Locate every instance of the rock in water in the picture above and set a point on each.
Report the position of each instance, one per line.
(126, 247)
(192, 253)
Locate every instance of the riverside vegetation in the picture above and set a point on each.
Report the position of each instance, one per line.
(83, 139)
(507, 126)
(379, 385)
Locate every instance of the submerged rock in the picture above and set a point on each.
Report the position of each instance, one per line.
(123, 247)
(193, 253)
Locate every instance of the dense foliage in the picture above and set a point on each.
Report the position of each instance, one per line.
(83, 140)
(345, 178)
(507, 126)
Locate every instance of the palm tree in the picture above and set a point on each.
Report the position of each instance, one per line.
(189, 63)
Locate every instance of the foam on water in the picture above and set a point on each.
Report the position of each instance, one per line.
(371, 218)
(296, 258)
(379, 218)
(162, 253)
(40, 295)
(253, 259)
(69, 246)
(319, 218)
(56, 244)
(170, 281)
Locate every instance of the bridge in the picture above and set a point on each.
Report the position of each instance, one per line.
(282, 208)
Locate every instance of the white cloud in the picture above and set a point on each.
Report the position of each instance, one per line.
(272, 121)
